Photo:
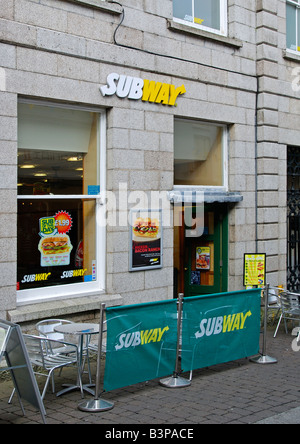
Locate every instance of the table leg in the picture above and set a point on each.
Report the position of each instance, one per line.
(78, 385)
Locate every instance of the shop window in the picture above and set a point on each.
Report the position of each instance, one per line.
(293, 25)
(200, 154)
(209, 15)
(60, 243)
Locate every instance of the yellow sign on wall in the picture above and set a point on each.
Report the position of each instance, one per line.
(254, 270)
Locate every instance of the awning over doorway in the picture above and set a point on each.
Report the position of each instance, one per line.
(204, 196)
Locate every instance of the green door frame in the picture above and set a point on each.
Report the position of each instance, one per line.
(220, 239)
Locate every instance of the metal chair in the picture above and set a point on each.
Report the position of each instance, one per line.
(42, 354)
(46, 328)
(92, 348)
(273, 301)
(290, 306)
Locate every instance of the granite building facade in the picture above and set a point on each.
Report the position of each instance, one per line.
(109, 109)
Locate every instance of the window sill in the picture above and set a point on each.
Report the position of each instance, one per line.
(57, 308)
(289, 55)
(101, 5)
(185, 29)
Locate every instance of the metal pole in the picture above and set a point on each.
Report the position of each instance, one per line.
(263, 358)
(264, 349)
(179, 329)
(97, 404)
(100, 339)
(177, 381)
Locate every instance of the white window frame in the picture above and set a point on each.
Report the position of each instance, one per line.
(67, 291)
(225, 141)
(223, 21)
(297, 6)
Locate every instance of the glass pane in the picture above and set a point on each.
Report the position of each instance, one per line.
(198, 154)
(56, 242)
(207, 13)
(291, 27)
(183, 9)
(58, 151)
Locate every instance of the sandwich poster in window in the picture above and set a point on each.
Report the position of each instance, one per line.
(55, 244)
(51, 245)
(145, 240)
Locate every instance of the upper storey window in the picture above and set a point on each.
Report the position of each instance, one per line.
(209, 15)
(293, 25)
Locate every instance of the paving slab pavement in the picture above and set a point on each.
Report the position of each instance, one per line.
(290, 417)
(238, 392)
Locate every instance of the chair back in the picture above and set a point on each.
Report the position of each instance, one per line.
(36, 349)
(273, 297)
(46, 328)
(290, 303)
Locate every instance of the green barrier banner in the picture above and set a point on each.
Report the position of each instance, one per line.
(220, 328)
(141, 343)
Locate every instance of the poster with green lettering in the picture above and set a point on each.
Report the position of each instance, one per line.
(141, 343)
(220, 328)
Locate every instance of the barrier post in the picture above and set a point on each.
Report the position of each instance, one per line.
(263, 358)
(97, 404)
(176, 381)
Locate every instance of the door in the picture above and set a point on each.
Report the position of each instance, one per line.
(293, 220)
(206, 257)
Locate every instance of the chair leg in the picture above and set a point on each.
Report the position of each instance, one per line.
(11, 396)
(87, 358)
(89, 365)
(278, 325)
(20, 402)
(53, 383)
(276, 316)
(50, 376)
(80, 381)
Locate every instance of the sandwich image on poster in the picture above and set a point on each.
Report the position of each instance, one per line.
(146, 240)
(55, 250)
(146, 228)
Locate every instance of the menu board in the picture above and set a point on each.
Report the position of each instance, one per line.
(254, 270)
(14, 351)
(145, 240)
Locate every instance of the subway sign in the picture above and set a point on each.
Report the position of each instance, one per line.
(135, 88)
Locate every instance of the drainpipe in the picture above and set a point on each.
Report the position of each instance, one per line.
(256, 165)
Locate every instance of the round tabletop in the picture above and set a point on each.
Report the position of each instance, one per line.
(77, 329)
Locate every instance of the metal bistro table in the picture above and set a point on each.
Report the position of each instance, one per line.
(79, 330)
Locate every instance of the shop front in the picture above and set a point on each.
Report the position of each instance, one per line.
(202, 205)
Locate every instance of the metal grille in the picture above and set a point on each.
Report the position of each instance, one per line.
(293, 219)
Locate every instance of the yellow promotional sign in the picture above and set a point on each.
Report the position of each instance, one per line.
(254, 270)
